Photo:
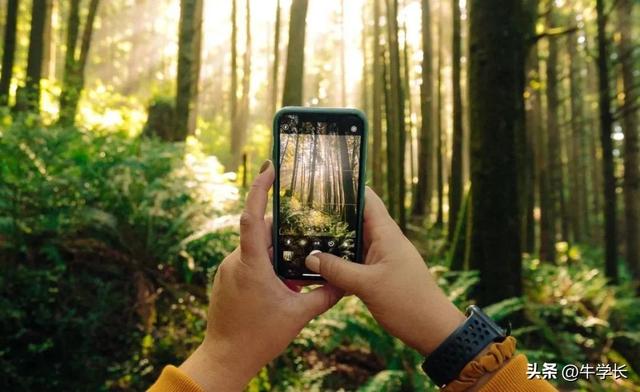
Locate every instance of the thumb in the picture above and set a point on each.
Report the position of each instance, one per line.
(343, 274)
(319, 300)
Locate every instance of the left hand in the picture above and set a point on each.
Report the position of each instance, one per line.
(253, 315)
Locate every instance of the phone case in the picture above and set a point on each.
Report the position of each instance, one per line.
(361, 181)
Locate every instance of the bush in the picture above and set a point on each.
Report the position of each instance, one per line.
(107, 244)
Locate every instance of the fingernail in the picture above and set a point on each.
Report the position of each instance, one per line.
(313, 263)
(265, 166)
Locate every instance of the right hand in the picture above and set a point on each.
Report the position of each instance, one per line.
(393, 282)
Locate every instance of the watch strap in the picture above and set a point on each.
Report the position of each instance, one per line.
(462, 346)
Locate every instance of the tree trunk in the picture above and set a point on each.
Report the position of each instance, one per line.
(29, 97)
(396, 99)
(187, 52)
(455, 181)
(421, 202)
(9, 49)
(233, 94)
(343, 71)
(378, 91)
(276, 61)
(606, 123)
(293, 78)
(46, 38)
(578, 211)
(314, 158)
(197, 61)
(439, 132)
(392, 143)
(496, 73)
(553, 133)
(239, 136)
(631, 136)
(73, 79)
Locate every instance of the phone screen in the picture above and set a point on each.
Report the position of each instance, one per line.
(318, 188)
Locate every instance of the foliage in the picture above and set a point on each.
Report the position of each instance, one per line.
(106, 244)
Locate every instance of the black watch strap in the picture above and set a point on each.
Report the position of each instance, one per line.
(464, 344)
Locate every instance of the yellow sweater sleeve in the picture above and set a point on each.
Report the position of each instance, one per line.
(173, 379)
(511, 378)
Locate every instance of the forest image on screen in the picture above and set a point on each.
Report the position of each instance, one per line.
(318, 210)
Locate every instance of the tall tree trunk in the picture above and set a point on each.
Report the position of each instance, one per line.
(241, 122)
(9, 50)
(293, 78)
(233, 94)
(47, 38)
(421, 202)
(73, 79)
(187, 52)
(29, 97)
(553, 133)
(276, 61)
(547, 228)
(631, 142)
(439, 131)
(378, 91)
(343, 71)
(496, 73)
(455, 181)
(576, 165)
(347, 181)
(606, 123)
(392, 142)
(314, 157)
(197, 60)
(408, 104)
(397, 129)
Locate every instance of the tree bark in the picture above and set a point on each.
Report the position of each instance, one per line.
(631, 140)
(378, 91)
(496, 74)
(276, 61)
(606, 123)
(73, 79)
(421, 202)
(187, 52)
(29, 97)
(293, 78)
(9, 49)
(455, 180)
(439, 132)
(397, 129)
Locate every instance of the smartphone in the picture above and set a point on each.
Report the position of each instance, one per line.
(320, 158)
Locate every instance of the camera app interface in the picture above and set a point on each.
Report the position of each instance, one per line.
(318, 188)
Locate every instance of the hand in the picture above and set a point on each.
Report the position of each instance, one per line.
(394, 282)
(253, 315)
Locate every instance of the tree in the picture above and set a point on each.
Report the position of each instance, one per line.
(606, 123)
(276, 61)
(188, 56)
(28, 98)
(9, 49)
(455, 181)
(377, 92)
(496, 72)
(74, 66)
(292, 94)
(239, 121)
(425, 147)
(439, 131)
(396, 138)
(555, 189)
(631, 139)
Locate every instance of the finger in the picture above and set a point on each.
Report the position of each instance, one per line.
(253, 239)
(319, 300)
(378, 223)
(343, 274)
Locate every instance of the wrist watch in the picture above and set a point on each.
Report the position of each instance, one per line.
(464, 344)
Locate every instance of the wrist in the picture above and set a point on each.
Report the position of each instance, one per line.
(443, 319)
(209, 368)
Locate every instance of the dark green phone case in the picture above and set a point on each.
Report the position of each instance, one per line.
(276, 185)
